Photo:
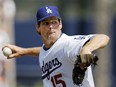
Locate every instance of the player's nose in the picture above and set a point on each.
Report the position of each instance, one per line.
(50, 25)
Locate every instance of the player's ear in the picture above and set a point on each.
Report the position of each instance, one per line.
(38, 28)
(60, 21)
(37, 25)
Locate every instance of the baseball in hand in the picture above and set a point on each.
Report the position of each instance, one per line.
(7, 51)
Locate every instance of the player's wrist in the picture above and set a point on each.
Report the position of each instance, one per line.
(27, 51)
(85, 50)
(32, 51)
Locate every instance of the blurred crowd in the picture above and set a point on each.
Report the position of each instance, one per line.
(4, 39)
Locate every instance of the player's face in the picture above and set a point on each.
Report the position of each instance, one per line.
(50, 29)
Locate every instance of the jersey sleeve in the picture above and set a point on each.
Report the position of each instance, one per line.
(74, 45)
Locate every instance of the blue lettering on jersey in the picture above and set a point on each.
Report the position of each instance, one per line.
(79, 38)
(49, 67)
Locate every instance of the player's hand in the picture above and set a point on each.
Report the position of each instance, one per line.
(17, 51)
(86, 60)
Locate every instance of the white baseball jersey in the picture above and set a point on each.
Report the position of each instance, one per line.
(57, 62)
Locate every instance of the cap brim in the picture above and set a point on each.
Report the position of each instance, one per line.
(48, 17)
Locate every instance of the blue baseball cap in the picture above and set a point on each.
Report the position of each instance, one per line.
(47, 11)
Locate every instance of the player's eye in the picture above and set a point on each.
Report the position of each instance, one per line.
(54, 22)
(45, 23)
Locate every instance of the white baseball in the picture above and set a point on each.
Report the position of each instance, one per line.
(7, 51)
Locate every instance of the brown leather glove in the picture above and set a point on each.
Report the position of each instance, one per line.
(79, 73)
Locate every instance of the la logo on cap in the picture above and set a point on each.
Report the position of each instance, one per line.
(48, 10)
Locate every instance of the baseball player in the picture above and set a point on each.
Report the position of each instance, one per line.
(59, 52)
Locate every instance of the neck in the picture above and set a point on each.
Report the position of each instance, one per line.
(49, 43)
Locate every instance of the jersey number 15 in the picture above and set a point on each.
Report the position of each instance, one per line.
(56, 80)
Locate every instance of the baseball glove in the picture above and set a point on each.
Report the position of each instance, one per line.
(78, 73)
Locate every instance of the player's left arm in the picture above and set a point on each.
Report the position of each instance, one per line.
(96, 42)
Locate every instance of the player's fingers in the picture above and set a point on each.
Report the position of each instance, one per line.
(14, 55)
(83, 59)
(9, 46)
(87, 59)
(4, 47)
(90, 58)
(83, 62)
